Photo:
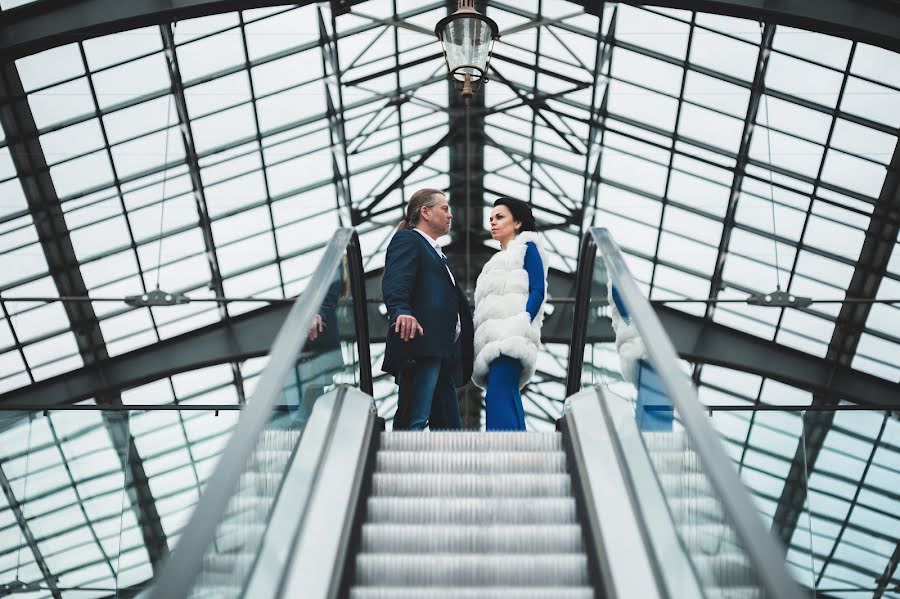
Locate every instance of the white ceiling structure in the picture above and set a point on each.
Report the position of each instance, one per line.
(212, 152)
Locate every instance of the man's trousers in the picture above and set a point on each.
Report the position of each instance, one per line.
(427, 394)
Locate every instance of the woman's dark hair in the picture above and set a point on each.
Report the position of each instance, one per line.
(520, 212)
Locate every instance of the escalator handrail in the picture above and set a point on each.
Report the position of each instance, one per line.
(179, 572)
(765, 556)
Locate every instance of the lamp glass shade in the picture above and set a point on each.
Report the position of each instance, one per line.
(467, 46)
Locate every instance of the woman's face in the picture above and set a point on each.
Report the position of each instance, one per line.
(503, 227)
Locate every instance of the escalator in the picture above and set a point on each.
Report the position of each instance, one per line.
(631, 496)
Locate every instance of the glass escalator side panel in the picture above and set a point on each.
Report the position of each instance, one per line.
(329, 357)
(636, 373)
(322, 344)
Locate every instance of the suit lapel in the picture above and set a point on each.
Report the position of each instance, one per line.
(436, 256)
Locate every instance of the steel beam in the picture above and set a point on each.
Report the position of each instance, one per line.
(712, 343)
(872, 265)
(16, 507)
(888, 575)
(42, 25)
(398, 182)
(793, 479)
(193, 162)
(40, 193)
(263, 160)
(334, 98)
(596, 133)
(250, 335)
(34, 27)
(245, 336)
(876, 23)
(743, 158)
(466, 196)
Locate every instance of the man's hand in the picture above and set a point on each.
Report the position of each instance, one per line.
(408, 326)
(317, 327)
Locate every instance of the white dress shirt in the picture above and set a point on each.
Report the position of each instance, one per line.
(437, 247)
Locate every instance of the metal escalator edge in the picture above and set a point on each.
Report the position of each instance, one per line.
(307, 549)
(618, 509)
(764, 554)
(180, 572)
(622, 563)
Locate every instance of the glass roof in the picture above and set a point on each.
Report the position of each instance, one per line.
(216, 156)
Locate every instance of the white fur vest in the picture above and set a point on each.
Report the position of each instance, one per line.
(502, 326)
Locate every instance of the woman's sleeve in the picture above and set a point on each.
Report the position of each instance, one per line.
(534, 266)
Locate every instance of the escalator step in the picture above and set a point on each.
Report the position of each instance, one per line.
(418, 510)
(216, 586)
(583, 592)
(693, 511)
(399, 538)
(685, 484)
(674, 441)
(261, 484)
(471, 485)
(711, 539)
(228, 562)
(471, 462)
(269, 460)
(233, 537)
(398, 569)
(248, 508)
(748, 592)
(726, 570)
(673, 462)
(470, 441)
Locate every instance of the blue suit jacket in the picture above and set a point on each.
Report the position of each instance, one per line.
(416, 283)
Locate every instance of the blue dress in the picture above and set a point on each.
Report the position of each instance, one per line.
(502, 400)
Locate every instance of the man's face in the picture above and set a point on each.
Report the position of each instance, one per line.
(438, 217)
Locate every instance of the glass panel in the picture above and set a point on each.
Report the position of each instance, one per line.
(616, 358)
(71, 507)
(822, 479)
(823, 482)
(329, 357)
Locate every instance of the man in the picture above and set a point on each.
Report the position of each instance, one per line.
(429, 339)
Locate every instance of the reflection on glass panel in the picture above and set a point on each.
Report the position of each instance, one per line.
(268, 36)
(49, 67)
(871, 101)
(803, 79)
(220, 93)
(724, 54)
(709, 127)
(716, 94)
(652, 31)
(616, 359)
(153, 150)
(788, 152)
(82, 173)
(328, 358)
(816, 47)
(210, 54)
(134, 121)
(118, 47)
(642, 105)
(854, 174)
(69, 503)
(637, 68)
(688, 185)
(63, 144)
(865, 142)
(877, 64)
(132, 80)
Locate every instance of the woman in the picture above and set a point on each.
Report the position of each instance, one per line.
(509, 311)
